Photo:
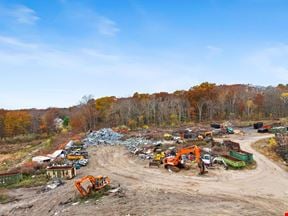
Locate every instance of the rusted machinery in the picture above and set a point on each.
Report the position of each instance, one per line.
(174, 163)
(94, 184)
(157, 158)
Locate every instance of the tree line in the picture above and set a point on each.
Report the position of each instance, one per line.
(204, 102)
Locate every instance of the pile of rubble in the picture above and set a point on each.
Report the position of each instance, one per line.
(107, 136)
(102, 136)
(54, 183)
(282, 147)
(133, 143)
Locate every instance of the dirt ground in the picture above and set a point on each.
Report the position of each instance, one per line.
(153, 191)
(264, 148)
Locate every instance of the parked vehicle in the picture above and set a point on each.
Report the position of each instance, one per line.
(210, 161)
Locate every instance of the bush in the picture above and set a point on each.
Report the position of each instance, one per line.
(30, 168)
(30, 181)
(22, 138)
(272, 143)
(4, 198)
(96, 195)
(27, 170)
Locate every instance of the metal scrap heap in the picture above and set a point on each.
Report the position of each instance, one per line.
(282, 147)
(102, 136)
(106, 136)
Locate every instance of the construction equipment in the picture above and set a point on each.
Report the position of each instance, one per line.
(157, 159)
(75, 157)
(209, 161)
(174, 163)
(167, 136)
(95, 184)
(258, 125)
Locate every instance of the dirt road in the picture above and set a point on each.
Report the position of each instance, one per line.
(153, 191)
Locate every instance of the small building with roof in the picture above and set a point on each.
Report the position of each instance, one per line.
(62, 172)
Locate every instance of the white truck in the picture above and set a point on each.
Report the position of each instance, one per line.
(209, 161)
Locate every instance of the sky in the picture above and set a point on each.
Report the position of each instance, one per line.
(54, 52)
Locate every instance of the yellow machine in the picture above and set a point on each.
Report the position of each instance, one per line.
(157, 159)
(75, 157)
(159, 156)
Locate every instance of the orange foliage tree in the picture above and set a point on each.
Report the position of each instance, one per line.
(103, 106)
(16, 123)
(201, 95)
(2, 117)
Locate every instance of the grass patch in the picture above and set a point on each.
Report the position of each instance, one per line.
(242, 124)
(4, 198)
(264, 147)
(23, 138)
(251, 166)
(12, 159)
(29, 181)
(94, 195)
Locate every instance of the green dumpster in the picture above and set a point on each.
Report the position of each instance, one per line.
(278, 130)
(233, 162)
(242, 155)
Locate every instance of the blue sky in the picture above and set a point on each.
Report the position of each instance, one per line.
(54, 52)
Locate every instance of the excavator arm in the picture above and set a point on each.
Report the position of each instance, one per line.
(173, 163)
(96, 183)
(85, 191)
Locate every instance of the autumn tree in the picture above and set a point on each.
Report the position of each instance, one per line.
(47, 123)
(202, 102)
(258, 100)
(16, 123)
(103, 106)
(249, 107)
(78, 121)
(88, 110)
(201, 95)
(284, 97)
(2, 118)
(273, 105)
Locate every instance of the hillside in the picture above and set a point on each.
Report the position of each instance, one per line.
(204, 102)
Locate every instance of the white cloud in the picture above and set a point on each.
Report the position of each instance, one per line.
(81, 71)
(92, 53)
(24, 15)
(271, 61)
(213, 51)
(20, 14)
(214, 48)
(107, 27)
(13, 42)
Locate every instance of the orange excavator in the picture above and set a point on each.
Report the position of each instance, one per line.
(95, 184)
(174, 163)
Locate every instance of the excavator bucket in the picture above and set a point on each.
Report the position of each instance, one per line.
(171, 168)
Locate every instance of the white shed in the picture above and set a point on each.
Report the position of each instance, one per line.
(41, 159)
(56, 154)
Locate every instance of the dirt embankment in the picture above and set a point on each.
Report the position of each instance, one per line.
(153, 191)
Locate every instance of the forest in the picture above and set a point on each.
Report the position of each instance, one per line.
(201, 103)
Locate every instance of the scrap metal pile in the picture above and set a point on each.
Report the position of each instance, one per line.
(282, 145)
(102, 136)
(156, 150)
(106, 136)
